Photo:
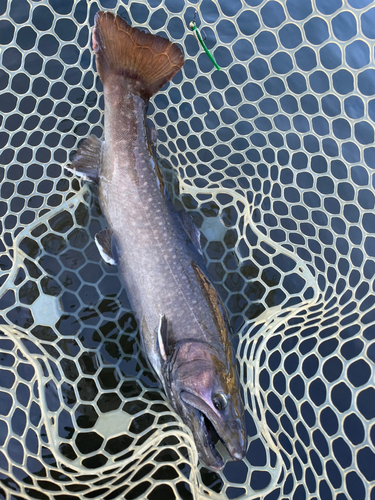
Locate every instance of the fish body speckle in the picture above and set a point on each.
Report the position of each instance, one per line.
(183, 324)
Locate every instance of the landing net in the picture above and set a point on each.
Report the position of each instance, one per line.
(274, 158)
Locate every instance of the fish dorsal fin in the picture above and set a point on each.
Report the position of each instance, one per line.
(106, 245)
(149, 61)
(87, 161)
(218, 312)
(163, 336)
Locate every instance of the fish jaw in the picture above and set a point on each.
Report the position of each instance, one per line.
(198, 374)
(207, 425)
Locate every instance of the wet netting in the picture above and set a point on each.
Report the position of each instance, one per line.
(274, 158)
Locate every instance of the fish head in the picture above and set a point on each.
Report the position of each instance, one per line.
(203, 387)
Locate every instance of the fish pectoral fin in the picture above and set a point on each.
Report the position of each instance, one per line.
(163, 336)
(87, 161)
(107, 247)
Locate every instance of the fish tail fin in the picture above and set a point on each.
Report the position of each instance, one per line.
(149, 60)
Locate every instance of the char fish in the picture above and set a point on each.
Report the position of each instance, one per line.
(182, 321)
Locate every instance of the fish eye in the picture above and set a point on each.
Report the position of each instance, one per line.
(220, 401)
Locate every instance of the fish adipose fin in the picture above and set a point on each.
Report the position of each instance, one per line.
(149, 61)
(107, 247)
(87, 160)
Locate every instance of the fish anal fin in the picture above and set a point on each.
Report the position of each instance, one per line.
(150, 60)
(86, 163)
(105, 242)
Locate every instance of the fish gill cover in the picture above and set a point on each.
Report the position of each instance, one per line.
(274, 158)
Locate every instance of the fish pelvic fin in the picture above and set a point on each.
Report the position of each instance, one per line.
(150, 60)
(86, 162)
(107, 247)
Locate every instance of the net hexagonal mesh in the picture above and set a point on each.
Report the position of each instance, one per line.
(273, 157)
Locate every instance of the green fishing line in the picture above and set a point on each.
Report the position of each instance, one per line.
(197, 35)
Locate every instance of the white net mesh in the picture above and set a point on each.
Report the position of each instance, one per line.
(274, 158)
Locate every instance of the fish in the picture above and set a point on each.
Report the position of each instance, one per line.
(183, 324)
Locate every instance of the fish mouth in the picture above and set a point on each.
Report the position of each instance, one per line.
(211, 437)
(209, 433)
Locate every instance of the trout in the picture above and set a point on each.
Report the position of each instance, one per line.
(183, 324)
